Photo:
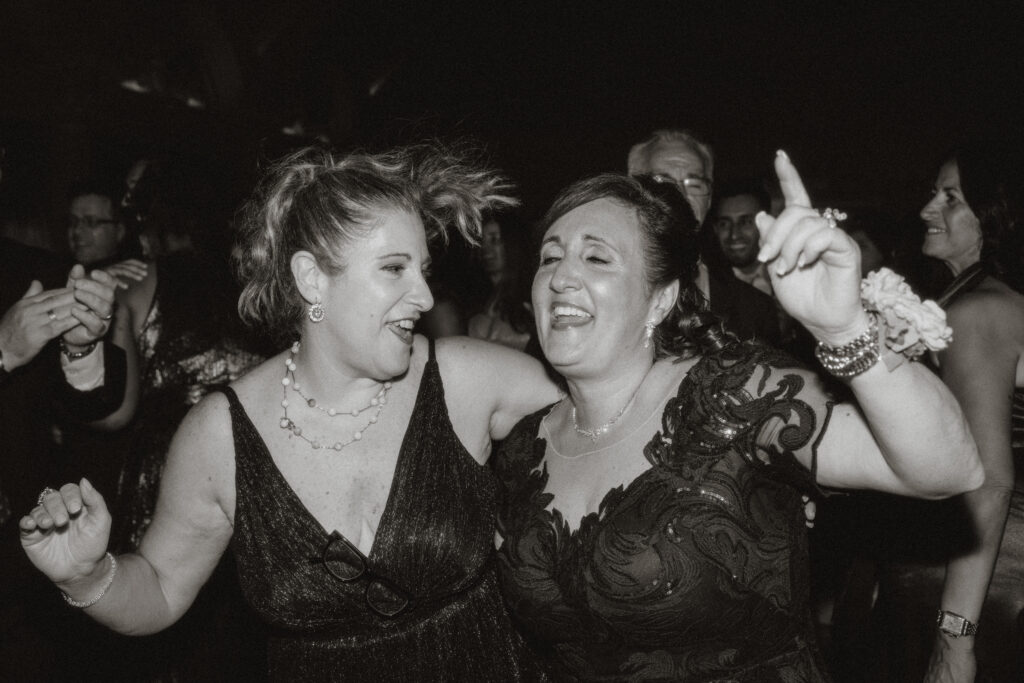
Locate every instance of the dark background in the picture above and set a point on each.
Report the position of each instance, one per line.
(865, 99)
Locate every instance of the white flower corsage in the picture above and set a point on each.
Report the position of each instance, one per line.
(911, 326)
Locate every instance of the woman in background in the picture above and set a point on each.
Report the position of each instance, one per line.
(975, 225)
(505, 317)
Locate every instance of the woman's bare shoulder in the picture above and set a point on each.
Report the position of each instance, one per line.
(992, 306)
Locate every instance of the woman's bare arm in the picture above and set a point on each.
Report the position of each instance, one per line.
(66, 537)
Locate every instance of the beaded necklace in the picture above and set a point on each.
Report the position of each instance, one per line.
(378, 401)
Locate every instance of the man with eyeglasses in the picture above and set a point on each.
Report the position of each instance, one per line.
(678, 157)
(53, 363)
(95, 229)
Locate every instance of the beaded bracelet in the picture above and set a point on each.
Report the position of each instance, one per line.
(75, 355)
(854, 357)
(103, 589)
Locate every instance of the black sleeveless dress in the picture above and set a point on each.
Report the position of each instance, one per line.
(435, 540)
(697, 569)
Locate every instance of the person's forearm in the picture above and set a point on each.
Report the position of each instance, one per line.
(920, 429)
(133, 604)
(968, 574)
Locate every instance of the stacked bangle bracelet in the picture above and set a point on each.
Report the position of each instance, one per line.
(75, 355)
(853, 358)
(103, 589)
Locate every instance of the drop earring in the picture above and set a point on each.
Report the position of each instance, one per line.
(316, 311)
(648, 333)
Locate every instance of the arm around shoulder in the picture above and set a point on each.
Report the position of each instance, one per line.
(510, 383)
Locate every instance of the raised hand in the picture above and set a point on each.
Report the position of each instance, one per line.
(130, 269)
(34, 320)
(66, 535)
(814, 267)
(94, 309)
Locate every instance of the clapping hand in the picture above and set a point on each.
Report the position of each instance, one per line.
(34, 320)
(94, 305)
(65, 536)
(814, 267)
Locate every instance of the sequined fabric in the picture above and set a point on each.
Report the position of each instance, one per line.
(435, 539)
(187, 345)
(696, 570)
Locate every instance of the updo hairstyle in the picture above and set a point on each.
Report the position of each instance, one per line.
(318, 201)
(668, 230)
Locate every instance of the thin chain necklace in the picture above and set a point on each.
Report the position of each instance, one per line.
(378, 401)
(623, 439)
(597, 432)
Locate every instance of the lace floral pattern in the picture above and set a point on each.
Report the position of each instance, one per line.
(697, 569)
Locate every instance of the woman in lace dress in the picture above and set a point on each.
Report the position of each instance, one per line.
(652, 526)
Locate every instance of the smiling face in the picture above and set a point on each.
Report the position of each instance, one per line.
(590, 297)
(372, 305)
(954, 233)
(736, 230)
(93, 234)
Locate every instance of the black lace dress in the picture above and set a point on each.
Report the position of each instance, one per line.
(435, 540)
(696, 570)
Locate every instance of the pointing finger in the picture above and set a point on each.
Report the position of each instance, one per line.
(793, 190)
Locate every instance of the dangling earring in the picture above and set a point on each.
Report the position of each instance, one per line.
(648, 333)
(316, 311)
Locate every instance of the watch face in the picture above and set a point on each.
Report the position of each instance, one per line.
(952, 624)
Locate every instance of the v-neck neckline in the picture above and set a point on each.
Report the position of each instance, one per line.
(385, 518)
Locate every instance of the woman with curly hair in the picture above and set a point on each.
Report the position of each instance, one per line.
(348, 470)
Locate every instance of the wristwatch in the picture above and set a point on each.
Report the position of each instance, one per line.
(954, 625)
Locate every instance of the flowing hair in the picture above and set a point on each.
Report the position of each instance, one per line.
(318, 201)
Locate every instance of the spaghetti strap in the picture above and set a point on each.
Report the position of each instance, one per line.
(229, 393)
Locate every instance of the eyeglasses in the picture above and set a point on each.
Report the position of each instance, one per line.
(346, 563)
(90, 222)
(697, 186)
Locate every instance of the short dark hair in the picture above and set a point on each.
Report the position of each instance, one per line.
(742, 186)
(101, 188)
(668, 231)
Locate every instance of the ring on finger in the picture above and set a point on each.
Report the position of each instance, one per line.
(109, 316)
(51, 315)
(44, 493)
(833, 216)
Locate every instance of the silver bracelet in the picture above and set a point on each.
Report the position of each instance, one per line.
(103, 589)
(76, 355)
(854, 357)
